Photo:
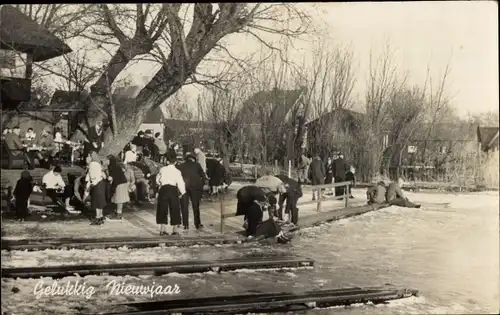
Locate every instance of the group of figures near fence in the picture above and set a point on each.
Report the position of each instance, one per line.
(174, 184)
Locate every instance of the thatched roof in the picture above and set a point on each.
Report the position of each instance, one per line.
(341, 117)
(19, 32)
(488, 137)
(68, 100)
(279, 102)
(154, 116)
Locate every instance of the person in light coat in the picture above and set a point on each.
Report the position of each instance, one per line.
(201, 159)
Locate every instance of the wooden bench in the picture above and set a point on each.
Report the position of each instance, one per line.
(10, 160)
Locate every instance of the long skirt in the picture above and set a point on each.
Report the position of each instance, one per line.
(98, 195)
(168, 204)
(121, 194)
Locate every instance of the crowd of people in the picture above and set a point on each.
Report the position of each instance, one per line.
(44, 148)
(174, 184)
(334, 170)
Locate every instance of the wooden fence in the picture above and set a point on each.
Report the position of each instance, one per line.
(319, 189)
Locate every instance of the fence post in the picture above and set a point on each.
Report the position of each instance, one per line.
(346, 195)
(221, 200)
(290, 168)
(255, 174)
(320, 196)
(276, 169)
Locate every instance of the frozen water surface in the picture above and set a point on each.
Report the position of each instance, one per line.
(448, 249)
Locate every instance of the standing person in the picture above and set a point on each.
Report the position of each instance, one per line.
(317, 174)
(160, 144)
(172, 152)
(351, 177)
(194, 179)
(22, 193)
(292, 194)
(216, 173)
(329, 172)
(119, 185)
(201, 159)
(303, 168)
(96, 187)
(171, 184)
(340, 168)
(94, 139)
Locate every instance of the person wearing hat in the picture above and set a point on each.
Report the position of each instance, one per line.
(94, 139)
(340, 168)
(171, 189)
(46, 143)
(194, 179)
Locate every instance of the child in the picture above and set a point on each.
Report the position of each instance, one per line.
(22, 192)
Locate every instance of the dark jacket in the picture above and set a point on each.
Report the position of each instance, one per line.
(193, 175)
(92, 136)
(116, 171)
(393, 191)
(329, 173)
(24, 186)
(247, 195)
(340, 168)
(215, 172)
(317, 170)
(291, 185)
(13, 142)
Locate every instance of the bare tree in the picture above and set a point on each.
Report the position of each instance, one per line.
(330, 80)
(160, 29)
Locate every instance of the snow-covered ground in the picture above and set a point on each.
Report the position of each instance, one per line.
(448, 249)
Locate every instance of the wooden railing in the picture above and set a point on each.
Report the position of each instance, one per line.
(319, 199)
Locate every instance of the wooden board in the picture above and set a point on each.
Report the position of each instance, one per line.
(158, 268)
(270, 302)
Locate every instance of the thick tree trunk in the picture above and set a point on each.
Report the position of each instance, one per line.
(98, 103)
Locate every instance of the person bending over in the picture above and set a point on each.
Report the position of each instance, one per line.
(54, 186)
(395, 197)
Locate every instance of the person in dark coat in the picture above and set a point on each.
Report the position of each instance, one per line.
(216, 174)
(194, 179)
(119, 185)
(22, 193)
(340, 168)
(292, 195)
(318, 174)
(171, 154)
(395, 197)
(94, 140)
(252, 201)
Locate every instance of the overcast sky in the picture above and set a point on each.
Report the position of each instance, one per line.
(462, 34)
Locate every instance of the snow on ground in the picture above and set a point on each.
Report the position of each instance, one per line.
(51, 257)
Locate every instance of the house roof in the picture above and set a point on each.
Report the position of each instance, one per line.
(280, 102)
(68, 100)
(486, 135)
(19, 32)
(340, 114)
(154, 116)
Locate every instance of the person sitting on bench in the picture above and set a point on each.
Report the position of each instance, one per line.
(15, 145)
(46, 143)
(54, 187)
